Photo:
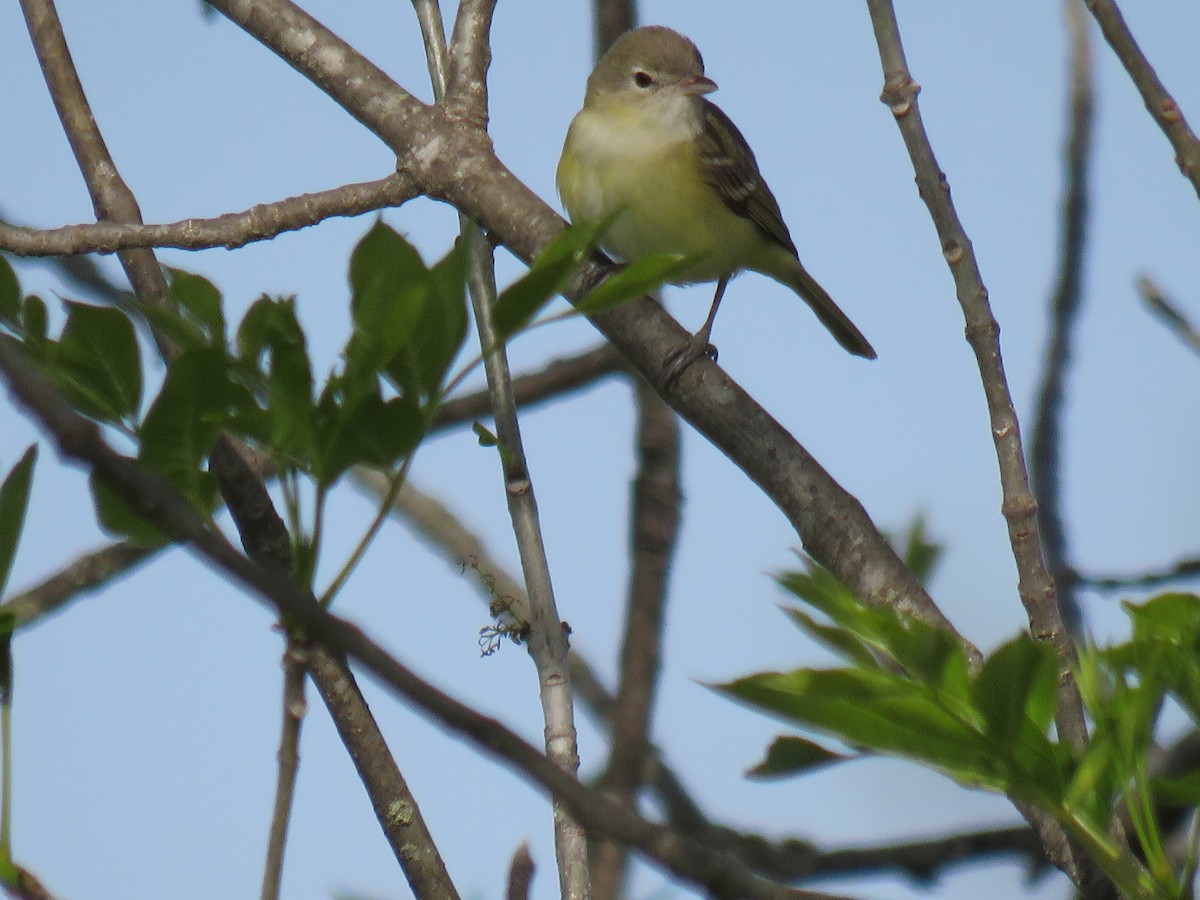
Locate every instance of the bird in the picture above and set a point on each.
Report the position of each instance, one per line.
(650, 149)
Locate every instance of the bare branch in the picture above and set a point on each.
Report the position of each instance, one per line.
(260, 222)
(294, 708)
(547, 641)
(433, 33)
(654, 531)
(1184, 568)
(265, 537)
(1065, 304)
(1168, 312)
(88, 572)
(150, 496)
(111, 197)
(1019, 507)
(470, 56)
(520, 874)
(395, 806)
(1163, 108)
(558, 377)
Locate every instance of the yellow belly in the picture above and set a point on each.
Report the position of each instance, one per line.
(666, 206)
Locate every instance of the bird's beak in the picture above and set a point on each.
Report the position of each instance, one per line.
(699, 86)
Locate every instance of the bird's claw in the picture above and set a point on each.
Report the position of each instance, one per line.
(680, 359)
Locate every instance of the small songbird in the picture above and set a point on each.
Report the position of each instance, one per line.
(649, 146)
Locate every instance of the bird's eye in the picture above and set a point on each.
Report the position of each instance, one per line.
(642, 80)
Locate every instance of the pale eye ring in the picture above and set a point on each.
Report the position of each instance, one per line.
(642, 79)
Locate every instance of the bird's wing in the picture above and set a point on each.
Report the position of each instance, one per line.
(732, 171)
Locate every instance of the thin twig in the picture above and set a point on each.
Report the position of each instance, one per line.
(87, 573)
(460, 83)
(150, 496)
(1162, 106)
(520, 874)
(1168, 312)
(265, 537)
(1184, 568)
(653, 534)
(1065, 304)
(231, 230)
(294, 709)
(983, 332)
(558, 377)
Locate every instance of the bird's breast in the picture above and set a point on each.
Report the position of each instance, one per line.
(651, 173)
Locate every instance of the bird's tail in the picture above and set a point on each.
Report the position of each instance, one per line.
(838, 323)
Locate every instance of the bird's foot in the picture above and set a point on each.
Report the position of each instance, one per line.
(680, 359)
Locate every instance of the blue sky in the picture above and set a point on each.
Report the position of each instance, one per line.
(146, 718)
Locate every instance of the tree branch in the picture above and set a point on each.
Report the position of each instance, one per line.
(231, 230)
(470, 56)
(151, 497)
(558, 377)
(88, 572)
(832, 525)
(1065, 304)
(654, 530)
(265, 538)
(1168, 312)
(1019, 507)
(1163, 108)
(1184, 568)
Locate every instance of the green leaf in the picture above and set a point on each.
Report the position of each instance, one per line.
(184, 421)
(1181, 791)
(1017, 686)
(290, 385)
(1173, 617)
(790, 755)
(486, 438)
(10, 293)
(637, 279)
(389, 288)
(546, 278)
(35, 324)
(367, 432)
(200, 301)
(879, 711)
(98, 363)
(921, 649)
(420, 365)
(838, 639)
(256, 329)
(14, 501)
(921, 555)
(118, 517)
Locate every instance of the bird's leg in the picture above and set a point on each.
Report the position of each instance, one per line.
(698, 345)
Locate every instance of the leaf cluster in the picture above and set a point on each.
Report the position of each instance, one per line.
(906, 689)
